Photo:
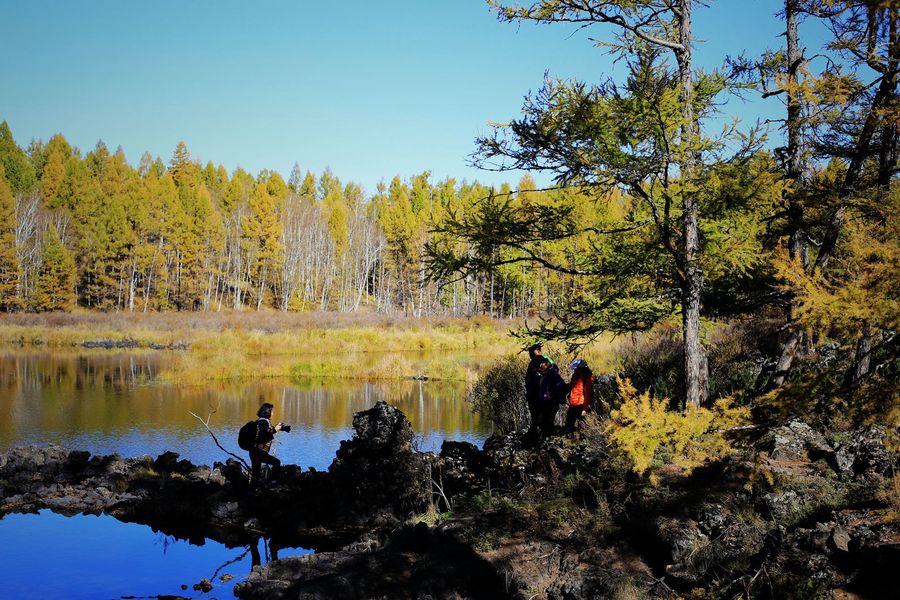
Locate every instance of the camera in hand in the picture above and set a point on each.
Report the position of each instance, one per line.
(285, 427)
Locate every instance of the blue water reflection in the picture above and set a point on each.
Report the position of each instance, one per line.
(48, 556)
(108, 403)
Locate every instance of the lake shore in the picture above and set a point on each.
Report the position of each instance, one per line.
(482, 523)
(236, 345)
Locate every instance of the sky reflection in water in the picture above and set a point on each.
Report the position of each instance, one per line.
(107, 402)
(48, 556)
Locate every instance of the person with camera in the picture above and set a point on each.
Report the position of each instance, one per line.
(532, 389)
(265, 435)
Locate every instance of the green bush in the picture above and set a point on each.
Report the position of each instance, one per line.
(736, 354)
(499, 394)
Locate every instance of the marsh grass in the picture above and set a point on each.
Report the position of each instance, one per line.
(231, 346)
(259, 333)
(244, 345)
(189, 367)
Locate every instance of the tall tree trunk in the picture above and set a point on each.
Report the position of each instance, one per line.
(798, 244)
(863, 359)
(695, 368)
(795, 167)
(884, 97)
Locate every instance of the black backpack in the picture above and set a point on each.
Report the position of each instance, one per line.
(247, 435)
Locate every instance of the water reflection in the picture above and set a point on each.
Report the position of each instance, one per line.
(108, 402)
(46, 555)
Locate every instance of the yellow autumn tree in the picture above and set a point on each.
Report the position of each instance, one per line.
(9, 263)
(261, 238)
(644, 428)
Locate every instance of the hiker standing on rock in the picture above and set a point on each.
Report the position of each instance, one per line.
(551, 393)
(581, 394)
(532, 387)
(265, 435)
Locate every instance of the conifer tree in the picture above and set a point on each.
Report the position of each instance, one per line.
(19, 170)
(52, 176)
(55, 285)
(10, 271)
(642, 137)
(261, 233)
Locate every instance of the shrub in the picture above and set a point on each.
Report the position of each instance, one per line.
(499, 394)
(737, 353)
(643, 429)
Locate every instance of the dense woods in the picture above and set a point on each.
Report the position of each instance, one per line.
(91, 230)
(793, 222)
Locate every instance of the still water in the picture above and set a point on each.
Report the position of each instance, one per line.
(107, 402)
(111, 402)
(49, 556)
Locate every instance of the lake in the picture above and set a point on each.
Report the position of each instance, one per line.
(111, 402)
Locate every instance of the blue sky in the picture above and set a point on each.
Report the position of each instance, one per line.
(369, 88)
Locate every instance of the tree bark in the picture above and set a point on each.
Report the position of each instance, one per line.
(695, 372)
(884, 97)
(798, 243)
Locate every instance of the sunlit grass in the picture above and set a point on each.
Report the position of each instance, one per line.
(235, 346)
(300, 346)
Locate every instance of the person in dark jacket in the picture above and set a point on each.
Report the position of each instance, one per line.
(532, 387)
(265, 435)
(551, 393)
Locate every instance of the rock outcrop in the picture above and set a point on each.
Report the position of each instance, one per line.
(374, 481)
(558, 520)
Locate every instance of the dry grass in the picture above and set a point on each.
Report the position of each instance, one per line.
(264, 333)
(240, 345)
(267, 321)
(228, 346)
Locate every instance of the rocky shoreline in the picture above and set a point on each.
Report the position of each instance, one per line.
(793, 514)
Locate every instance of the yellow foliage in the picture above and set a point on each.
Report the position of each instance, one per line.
(642, 425)
(861, 286)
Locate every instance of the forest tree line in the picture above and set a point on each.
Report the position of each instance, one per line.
(93, 231)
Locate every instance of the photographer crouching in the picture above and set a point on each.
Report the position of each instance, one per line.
(265, 435)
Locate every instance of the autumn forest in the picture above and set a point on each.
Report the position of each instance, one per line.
(91, 230)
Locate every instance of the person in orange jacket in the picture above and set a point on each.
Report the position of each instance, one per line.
(581, 394)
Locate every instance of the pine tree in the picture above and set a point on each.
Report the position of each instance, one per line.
(642, 136)
(181, 166)
(261, 233)
(54, 171)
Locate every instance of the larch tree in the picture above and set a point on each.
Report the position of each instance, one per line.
(851, 123)
(643, 138)
(55, 283)
(261, 238)
(19, 170)
(10, 271)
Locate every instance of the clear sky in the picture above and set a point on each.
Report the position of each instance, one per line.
(369, 88)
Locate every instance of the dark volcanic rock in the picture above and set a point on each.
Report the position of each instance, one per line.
(865, 453)
(416, 562)
(378, 471)
(801, 511)
(795, 441)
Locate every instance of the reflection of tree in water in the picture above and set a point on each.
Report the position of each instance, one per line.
(164, 540)
(236, 559)
(112, 393)
(270, 551)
